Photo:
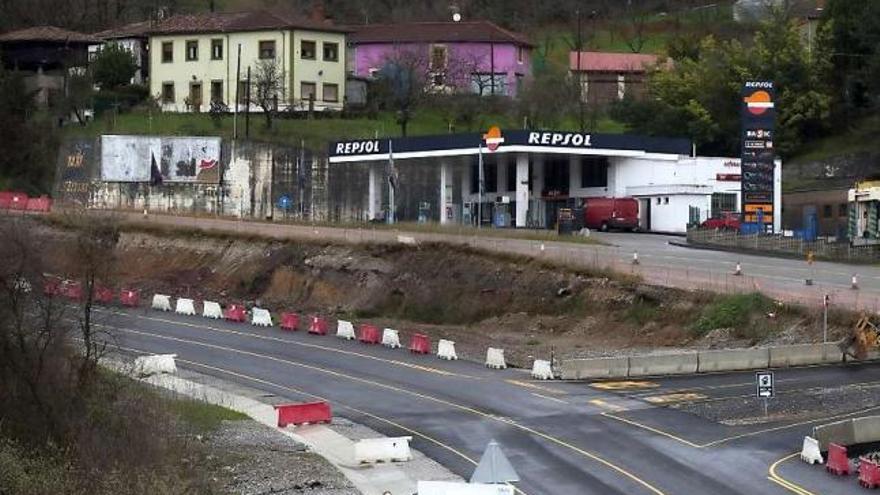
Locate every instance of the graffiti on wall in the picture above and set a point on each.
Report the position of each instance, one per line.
(160, 159)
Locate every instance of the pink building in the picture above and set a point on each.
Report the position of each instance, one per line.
(460, 56)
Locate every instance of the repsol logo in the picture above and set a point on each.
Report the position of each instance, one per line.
(759, 85)
(560, 139)
(357, 147)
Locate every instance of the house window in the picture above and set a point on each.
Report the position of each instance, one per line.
(216, 91)
(594, 171)
(192, 50)
(722, 203)
(482, 84)
(267, 50)
(331, 52)
(827, 211)
(621, 86)
(520, 54)
(658, 201)
(307, 50)
(195, 96)
(842, 210)
(331, 92)
(438, 57)
(308, 90)
(167, 52)
(216, 49)
(666, 200)
(168, 92)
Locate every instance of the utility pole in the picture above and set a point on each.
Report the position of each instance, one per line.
(580, 75)
(247, 108)
(237, 94)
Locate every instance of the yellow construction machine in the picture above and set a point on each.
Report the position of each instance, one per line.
(865, 338)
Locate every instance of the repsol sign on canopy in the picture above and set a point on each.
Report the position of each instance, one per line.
(506, 141)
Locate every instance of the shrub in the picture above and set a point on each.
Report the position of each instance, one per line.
(731, 312)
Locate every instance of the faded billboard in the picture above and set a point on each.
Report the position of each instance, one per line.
(156, 160)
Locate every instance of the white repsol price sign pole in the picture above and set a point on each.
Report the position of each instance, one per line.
(765, 387)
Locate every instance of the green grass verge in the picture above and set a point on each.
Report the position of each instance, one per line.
(201, 415)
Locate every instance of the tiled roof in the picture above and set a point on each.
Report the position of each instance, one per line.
(431, 32)
(47, 33)
(227, 22)
(133, 30)
(611, 62)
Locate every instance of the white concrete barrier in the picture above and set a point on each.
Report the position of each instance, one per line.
(391, 449)
(345, 330)
(261, 317)
(458, 488)
(541, 370)
(391, 338)
(185, 307)
(734, 360)
(664, 364)
(495, 358)
(212, 309)
(805, 354)
(161, 302)
(407, 240)
(581, 369)
(810, 451)
(446, 350)
(151, 365)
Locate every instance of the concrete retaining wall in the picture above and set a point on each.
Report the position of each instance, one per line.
(840, 432)
(867, 429)
(579, 369)
(671, 364)
(743, 359)
(804, 354)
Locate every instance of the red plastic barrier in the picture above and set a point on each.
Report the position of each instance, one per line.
(18, 201)
(5, 199)
(869, 473)
(420, 344)
(130, 298)
(298, 414)
(289, 321)
(72, 290)
(368, 334)
(52, 286)
(103, 295)
(838, 462)
(43, 203)
(235, 312)
(317, 325)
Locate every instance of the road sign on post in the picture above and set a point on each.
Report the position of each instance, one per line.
(765, 384)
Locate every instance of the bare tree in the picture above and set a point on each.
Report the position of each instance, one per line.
(268, 84)
(634, 28)
(405, 83)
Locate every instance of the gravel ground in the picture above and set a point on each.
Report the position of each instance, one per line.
(254, 460)
(799, 405)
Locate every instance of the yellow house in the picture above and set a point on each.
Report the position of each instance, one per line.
(194, 60)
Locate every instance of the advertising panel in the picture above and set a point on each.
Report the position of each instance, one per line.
(157, 160)
(758, 153)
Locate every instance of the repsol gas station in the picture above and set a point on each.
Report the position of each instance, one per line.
(522, 178)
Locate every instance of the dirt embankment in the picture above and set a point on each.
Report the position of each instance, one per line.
(476, 299)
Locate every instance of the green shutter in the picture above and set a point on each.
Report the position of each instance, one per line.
(872, 220)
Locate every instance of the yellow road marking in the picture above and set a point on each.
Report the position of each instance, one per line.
(670, 398)
(632, 477)
(652, 429)
(623, 385)
(603, 404)
(535, 386)
(303, 344)
(779, 480)
(554, 399)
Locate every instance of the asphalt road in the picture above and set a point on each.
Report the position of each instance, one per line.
(660, 262)
(562, 437)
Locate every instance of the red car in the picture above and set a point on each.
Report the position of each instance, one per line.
(727, 221)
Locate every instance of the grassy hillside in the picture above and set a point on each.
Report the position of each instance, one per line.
(315, 133)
